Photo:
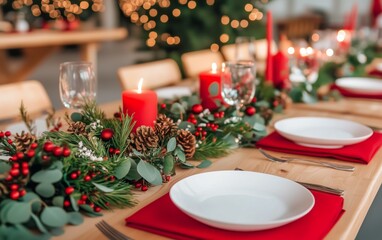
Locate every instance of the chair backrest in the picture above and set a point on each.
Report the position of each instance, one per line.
(198, 61)
(155, 74)
(229, 50)
(31, 92)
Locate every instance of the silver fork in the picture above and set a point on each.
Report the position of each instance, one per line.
(317, 162)
(110, 232)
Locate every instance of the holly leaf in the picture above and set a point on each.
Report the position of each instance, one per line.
(149, 173)
(204, 164)
(54, 217)
(103, 188)
(171, 144)
(123, 169)
(47, 176)
(168, 164)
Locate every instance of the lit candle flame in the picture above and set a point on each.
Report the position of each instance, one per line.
(341, 35)
(140, 85)
(214, 67)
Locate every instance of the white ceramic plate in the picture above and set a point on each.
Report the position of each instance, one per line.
(241, 200)
(360, 85)
(173, 92)
(40, 124)
(322, 132)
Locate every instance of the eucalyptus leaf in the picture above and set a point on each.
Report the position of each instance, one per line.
(4, 167)
(177, 108)
(180, 154)
(204, 164)
(133, 173)
(76, 116)
(47, 176)
(39, 224)
(54, 217)
(75, 218)
(171, 144)
(262, 103)
(19, 212)
(88, 211)
(74, 203)
(102, 187)
(259, 127)
(187, 125)
(57, 231)
(136, 153)
(123, 169)
(58, 201)
(45, 190)
(186, 165)
(34, 200)
(168, 164)
(193, 99)
(57, 165)
(149, 173)
(5, 206)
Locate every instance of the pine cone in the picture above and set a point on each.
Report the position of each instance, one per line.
(144, 139)
(77, 128)
(23, 141)
(188, 141)
(165, 126)
(266, 113)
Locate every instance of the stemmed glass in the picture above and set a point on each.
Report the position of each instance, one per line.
(78, 84)
(238, 83)
(245, 48)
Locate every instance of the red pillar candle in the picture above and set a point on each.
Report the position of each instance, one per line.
(210, 88)
(141, 105)
(280, 70)
(269, 65)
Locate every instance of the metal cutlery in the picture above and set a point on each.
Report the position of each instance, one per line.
(318, 187)
(317, 162)
(110, 232)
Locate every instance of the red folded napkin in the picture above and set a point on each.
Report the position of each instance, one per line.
(347, 93)
(164, 218)
(361, 152)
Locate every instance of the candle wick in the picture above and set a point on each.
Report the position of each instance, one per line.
(140, 85)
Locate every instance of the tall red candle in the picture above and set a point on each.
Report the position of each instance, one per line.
(280, 70)
(269, 66)
(141, 105)
(210, 88)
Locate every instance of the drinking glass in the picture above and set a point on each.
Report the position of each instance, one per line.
(245, 48)
(238, 83)
(77, 84)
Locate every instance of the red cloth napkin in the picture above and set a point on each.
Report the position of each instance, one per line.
(164, 218)
(347, 93)
(361, 152)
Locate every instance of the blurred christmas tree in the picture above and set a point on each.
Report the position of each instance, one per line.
(179, 26)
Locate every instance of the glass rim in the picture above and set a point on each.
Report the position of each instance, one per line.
(243, 63)
(76, 63)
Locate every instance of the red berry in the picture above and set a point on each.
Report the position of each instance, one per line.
(14, 187)
(250, 110)
(107, 134)
(20, 155)
(14, 195)
(191, 116)
(31, 153)
(2, 134)
(14, 172)
(197, 108)
(9, 141)
(78, 172)
(221, 114)
(144, 188)
(22, 192)
(7, 133)
(93, 174)
(66, 203)
(168, 177)
(69, 190)
(80, 202)
(8, 178)
(204, 133)
(87, 178)
(16, 165)
(197, 134)
(112, 178)
(97, 209)
(34, 145)
(73, 175)
(194, 121)
(117, 152)
(48, 146)
(107, 203)
(84, 197)
(111, 150)
(13, 158)
(24, 165)
(66, 152)
(138, 185)
(25, 171)
(57, 151)
(275, 103)
(163, 105)
(117, 115)
(91, 205)
(45, 158)
(216, 115)
(254, 99)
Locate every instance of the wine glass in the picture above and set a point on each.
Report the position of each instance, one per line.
(245, 48)
(78, 84)
(238, 83)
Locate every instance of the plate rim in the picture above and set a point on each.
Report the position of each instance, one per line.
(310, 140)
(278, 223)
(341, 82)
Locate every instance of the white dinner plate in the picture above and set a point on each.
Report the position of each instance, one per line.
(241, 200)
(40, 125)
(360, 85)
(173, 92)
(322, 132)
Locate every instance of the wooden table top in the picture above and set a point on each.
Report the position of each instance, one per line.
(40, 38)
(360, 186)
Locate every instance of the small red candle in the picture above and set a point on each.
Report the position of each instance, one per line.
(141, 105)
(269, 64)
(280, 70)
(210, 88)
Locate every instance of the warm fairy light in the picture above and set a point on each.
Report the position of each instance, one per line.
(183, 2)
(214, 67)
(291, 50)
(235, 23)
(244, 23)
(150, 42)
(225, 20)
(176, 12)
(303, 52)
(210, 2)
(191, 4)
(252, 16)
(259, 16)
(341, 35)
(140, 85)
(309, 51)
(315, 37)
(214, 47)
(144, 19)
(224, 38)
(329, 52)
(153, 35)
(153, 12)
(248, 7)
(164, 18)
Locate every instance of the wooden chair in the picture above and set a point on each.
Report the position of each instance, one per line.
(228, 52)
(156, 74)
(31, 92)
(198, 61)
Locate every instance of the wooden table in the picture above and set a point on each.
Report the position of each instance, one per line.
(38, 45)
(360, 186)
